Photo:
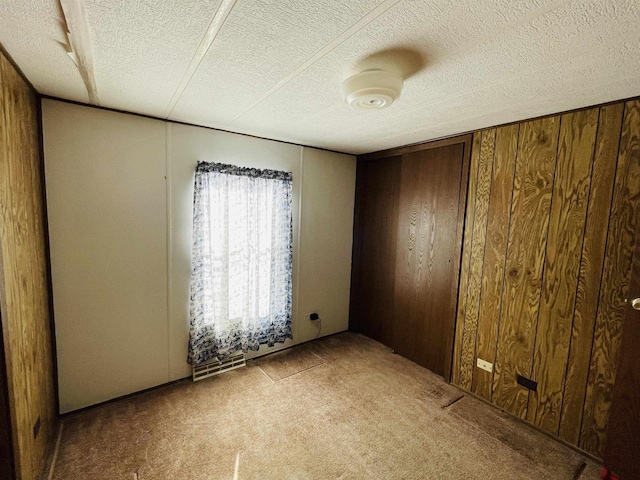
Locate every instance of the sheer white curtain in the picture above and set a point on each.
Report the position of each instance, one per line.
(240, 291)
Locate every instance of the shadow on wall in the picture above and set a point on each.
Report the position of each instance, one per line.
(404, 61)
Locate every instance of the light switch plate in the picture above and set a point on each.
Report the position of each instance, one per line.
(484, 365)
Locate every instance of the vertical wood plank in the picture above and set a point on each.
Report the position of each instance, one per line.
(23, 277)
(624, 219)
(591, 263)
(535, 167)
(562, 262)
(495, 254)
(466, 257)
(483, 189)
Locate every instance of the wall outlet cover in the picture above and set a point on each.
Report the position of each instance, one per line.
(484, 365)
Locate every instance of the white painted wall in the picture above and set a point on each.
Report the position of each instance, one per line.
(106, 196)
(328, 186)
(121, 242)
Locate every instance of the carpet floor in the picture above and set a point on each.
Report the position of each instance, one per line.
(342, 407)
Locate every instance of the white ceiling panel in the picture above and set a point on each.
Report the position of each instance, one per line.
(142, 49)
(261, 43)
(556, 54)
(274, 68)
(434, 30)
(33, 34)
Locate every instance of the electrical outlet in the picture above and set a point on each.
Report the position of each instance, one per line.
(314, 316)
(484, 365)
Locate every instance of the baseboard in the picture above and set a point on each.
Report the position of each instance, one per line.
(122, 397)
(173, 382)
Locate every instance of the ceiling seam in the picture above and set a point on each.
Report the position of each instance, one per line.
(203, 47)
(520, 106)
(328, 48)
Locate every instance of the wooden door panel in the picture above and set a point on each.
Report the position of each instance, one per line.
(622, 448)
(426, 254)
(622, 444)
(376, 230)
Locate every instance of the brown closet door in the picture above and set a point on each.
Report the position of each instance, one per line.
(427, 255)
(375, 248)
(622, 447)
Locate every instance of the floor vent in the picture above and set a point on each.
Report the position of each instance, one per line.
(210, 369)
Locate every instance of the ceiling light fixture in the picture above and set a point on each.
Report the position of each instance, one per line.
(372, 89)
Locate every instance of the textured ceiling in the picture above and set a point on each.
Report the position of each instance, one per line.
(273, 68)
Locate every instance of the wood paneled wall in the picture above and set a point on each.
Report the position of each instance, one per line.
(552, 212)
(24, 299)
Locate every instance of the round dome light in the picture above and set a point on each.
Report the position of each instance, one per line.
(372, 89)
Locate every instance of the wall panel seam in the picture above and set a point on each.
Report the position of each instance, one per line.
(169, 240)
(295, 331)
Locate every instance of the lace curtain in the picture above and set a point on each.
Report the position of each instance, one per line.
(240, 290)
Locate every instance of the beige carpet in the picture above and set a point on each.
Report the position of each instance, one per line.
(343, 407)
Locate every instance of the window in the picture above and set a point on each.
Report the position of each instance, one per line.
(240, 290)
